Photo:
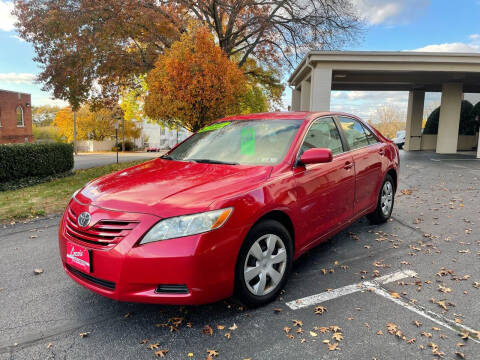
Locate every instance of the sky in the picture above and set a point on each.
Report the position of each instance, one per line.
(392, 25)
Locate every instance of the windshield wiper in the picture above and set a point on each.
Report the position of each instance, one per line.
(166, 157)
(209, 161)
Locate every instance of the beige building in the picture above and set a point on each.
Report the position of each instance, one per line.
(452, 74)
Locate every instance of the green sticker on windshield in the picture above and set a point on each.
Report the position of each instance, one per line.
(247, 141)
(215, 126)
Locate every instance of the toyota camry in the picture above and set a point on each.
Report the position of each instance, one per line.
(227, 211)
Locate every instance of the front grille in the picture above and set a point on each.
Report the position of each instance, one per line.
(104, 283)
(104, 232)
(172, 289)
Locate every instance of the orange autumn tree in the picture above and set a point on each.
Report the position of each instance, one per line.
(194, 83)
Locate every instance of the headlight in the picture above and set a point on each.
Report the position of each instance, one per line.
(75, 193)
(187, 225)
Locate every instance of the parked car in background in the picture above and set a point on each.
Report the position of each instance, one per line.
(152, 149)
(399, 138)
(227, 211)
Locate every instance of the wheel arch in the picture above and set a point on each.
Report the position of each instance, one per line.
(393, 173)
(283, 218)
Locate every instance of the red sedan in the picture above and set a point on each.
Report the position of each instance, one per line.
(228, 210)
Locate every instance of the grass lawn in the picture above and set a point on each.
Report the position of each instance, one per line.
(50, 197)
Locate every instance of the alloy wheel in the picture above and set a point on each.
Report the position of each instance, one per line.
(387, 198)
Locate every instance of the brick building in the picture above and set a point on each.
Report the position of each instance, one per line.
(15, 117)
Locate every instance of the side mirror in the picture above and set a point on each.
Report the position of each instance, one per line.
(316, 156)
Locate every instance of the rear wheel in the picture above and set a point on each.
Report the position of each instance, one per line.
(385, 202)
(263, 264)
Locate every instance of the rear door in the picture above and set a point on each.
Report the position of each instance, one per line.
(367, 154)
(325, 192)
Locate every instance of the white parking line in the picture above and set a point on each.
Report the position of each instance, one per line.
(346, 290)
(375, 287)
(430, 315)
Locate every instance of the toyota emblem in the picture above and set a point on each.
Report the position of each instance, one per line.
(84, 219)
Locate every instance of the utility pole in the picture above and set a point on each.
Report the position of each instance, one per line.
(116, 138)
(123, 133)
(75, 132)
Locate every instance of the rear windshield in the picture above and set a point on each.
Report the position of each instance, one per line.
(239, 142)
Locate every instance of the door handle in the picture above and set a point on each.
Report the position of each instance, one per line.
(348, 165)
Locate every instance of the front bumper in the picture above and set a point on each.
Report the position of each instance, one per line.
(204, 264)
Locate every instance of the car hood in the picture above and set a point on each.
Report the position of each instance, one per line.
(169, 188)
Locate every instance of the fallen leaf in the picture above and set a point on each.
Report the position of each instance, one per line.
(335, 328)
(333, 347)
(38, 271)
(161, 353)
(212, 352)
(460, 354)
(319, 310)
(228, 335)
(392, 328)
(337, 336)
(417, 323)
(286, 329)
(220, 327)
(395, 295)
(313, 334)
(84, 334)
(297, 323)
(49, 346)
(277, 310)
(127, 315)
(207, 330)
(233, 327)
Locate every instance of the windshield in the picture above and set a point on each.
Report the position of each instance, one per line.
(239, 142)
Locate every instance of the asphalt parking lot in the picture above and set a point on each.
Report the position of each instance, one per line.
(342, 301)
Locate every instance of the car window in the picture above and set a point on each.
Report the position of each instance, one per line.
(354, 132)
(323, 134)
(372, 139)
(243, 142)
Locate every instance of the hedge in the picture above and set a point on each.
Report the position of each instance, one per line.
(467, 125)
(20, 161)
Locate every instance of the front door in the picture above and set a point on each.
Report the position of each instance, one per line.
(325, 192)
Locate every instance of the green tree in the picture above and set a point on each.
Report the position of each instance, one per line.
(467, 120)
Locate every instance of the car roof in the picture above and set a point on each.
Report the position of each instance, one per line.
(286, 115)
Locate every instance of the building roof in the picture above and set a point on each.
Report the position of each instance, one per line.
(392, 70)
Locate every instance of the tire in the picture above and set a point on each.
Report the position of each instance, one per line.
(380, 215)
(274, 273)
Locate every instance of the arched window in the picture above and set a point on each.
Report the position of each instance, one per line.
(20, 121)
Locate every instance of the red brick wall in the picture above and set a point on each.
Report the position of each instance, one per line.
(9, 131)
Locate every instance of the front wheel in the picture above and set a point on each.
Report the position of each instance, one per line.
(263, 265)
(385, 201)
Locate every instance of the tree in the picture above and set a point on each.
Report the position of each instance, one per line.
(388, 120)
(44, 115)
(467, 124)
(92, 125)
(105, 44)
(194, 83)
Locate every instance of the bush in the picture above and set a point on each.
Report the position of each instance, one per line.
(20, 161)
(46, 134)
(467, 120)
